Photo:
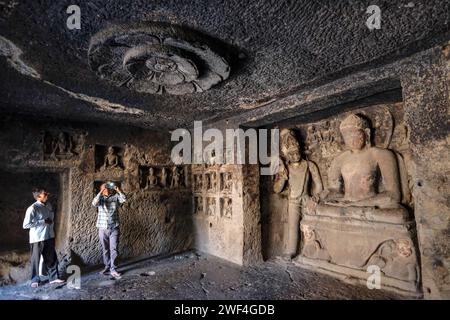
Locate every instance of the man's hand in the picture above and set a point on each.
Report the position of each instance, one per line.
(103, 190)
(48, 221)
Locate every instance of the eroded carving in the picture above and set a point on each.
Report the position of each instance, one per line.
(152, 179)
(156, 58)
(198, 182)
(312, 248)
(198, 204)
(63, 146)
(226, 181)
(226, 208)
(396, 258)
(163, 178)
(361, 212)
(211, 206)
(322, 138)
(304, 183)
(175, 181)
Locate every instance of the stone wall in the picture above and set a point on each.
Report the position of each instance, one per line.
(157, 217)
(427, 108)
(420, 134)
(230, 227)
(321, 142)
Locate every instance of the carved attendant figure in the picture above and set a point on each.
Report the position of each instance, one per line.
(198, 182)
(303, 175)
(152, 180)
(211, 206)
(198, 205)
(213, 181)
(175, 182)
(62, 146)
(227, 208)
(163, 177)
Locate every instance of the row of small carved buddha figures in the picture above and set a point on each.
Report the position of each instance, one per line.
(164, 177)
(208, 206)
(213, 181)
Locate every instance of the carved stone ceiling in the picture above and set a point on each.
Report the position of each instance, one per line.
(164, 64)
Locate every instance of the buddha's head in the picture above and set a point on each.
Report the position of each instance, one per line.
(356, 132)
(289, 146)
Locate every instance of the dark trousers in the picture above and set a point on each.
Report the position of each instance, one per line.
(109, 239)
(45, 248)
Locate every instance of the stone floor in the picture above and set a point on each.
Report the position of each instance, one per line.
(198, 276)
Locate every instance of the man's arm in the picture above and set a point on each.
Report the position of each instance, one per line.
(96, 200)
(30, 219)
(120, 196)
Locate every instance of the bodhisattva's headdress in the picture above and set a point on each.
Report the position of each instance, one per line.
(288, 141)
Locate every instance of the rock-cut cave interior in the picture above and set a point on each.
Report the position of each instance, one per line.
(354, 95)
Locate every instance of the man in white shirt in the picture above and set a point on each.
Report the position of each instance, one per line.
(39, 219)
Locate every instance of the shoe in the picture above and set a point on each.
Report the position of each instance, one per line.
(35, 285)
(116, 275)
(57, 281)
(104, 271)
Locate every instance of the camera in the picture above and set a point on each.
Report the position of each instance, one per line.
(110, 185)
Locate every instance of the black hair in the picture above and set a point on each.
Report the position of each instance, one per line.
(37, 191)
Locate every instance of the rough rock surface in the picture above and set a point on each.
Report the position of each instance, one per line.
(276, 47)
(199, 277)
(153, 220)
(292, 63)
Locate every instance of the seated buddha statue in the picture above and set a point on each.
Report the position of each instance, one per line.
(363, 176)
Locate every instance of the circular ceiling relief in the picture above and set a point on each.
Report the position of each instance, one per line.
(156, 59)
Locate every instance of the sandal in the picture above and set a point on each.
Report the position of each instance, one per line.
(104, 271)
(57, 281)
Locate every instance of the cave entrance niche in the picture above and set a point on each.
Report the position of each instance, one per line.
(16, 188)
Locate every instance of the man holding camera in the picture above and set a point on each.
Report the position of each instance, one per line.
(39, 219)
(107, 201)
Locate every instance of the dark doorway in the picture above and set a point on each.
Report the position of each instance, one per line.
(16, 197)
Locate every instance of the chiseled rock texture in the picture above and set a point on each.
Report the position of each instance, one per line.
(152, 221)
(282, 63)
(273, 49)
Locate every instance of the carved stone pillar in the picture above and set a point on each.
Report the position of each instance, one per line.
(426, 97)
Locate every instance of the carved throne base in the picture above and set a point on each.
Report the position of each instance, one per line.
(345, 245)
